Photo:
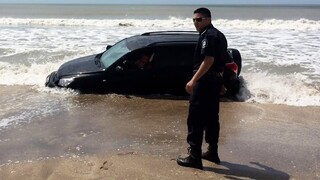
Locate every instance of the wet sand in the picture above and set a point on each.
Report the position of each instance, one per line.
(104, 137)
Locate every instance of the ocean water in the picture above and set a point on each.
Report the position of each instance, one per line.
(280, 48)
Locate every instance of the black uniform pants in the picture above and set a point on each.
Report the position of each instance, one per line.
(204, 113)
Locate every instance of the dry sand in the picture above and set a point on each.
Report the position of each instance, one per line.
(256, 142)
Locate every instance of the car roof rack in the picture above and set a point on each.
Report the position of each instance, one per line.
(169, 33)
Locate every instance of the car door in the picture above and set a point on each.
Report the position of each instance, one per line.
(173, 67)
(126, 77)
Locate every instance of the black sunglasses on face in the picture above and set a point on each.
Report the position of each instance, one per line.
(198, 19)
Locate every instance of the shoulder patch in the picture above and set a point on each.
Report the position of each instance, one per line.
(204, 43)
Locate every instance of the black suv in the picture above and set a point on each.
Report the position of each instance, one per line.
(150, 63)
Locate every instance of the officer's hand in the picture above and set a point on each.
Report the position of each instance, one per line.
(189, 87)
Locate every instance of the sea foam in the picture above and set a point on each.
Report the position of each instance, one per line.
(301, 24)
(280, 57)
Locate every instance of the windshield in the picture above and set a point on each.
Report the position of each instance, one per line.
(113, 54)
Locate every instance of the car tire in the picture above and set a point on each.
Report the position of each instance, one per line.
(233, 87)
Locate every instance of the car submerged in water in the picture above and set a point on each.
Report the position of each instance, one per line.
(150, 63)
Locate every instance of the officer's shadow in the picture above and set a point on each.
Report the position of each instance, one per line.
(239, 172)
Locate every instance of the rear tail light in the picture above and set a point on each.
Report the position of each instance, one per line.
(233, 67)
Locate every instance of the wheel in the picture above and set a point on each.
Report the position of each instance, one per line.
(233, 87)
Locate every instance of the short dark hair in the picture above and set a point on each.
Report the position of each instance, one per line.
(204, 11)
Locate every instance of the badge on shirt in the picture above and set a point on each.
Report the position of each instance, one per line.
(204, 43)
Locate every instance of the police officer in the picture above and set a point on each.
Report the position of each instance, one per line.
(204, 88)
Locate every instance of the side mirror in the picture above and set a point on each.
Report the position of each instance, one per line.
(108, 47)
(119, 68)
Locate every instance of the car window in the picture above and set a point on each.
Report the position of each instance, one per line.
(173, 56)
(136, 60)
(114, 53)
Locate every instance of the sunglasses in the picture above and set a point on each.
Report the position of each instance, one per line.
(198, 19)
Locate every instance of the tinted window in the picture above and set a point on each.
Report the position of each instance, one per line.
(174, 55)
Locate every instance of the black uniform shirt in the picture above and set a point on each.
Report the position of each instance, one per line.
(212, 43)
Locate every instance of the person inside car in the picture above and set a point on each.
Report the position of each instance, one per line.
(144, 62)
(139, 62)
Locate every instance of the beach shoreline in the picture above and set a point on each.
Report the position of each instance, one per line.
(56, 133)
(257, 141)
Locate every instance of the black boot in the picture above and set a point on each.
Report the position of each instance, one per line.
(211, 155)
(190, 161)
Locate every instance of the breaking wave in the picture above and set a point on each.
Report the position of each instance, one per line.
(301, 24)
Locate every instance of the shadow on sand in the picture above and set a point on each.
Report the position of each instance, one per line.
(257, 171)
